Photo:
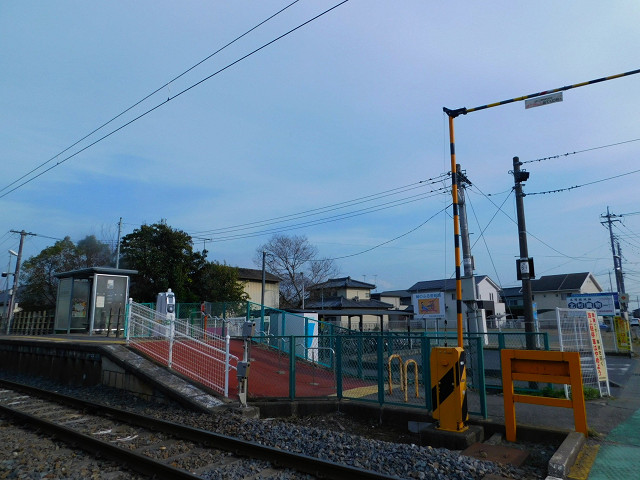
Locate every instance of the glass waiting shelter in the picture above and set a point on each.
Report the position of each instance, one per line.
(92, 300)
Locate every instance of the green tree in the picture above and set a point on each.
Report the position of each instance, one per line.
(95, 253)
(219, 283)
(164, 258)
(39, 283)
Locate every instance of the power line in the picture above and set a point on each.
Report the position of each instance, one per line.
(156, 107)
(333, 218)
(325, 209)
(528, 231)
(395, 238)
(584, 184)
(581, 151)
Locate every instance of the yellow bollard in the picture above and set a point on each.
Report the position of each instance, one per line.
(406, 379)
(401, 373)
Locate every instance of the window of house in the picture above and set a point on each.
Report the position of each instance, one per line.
(491, 296)
(453, 296)
(533, 297)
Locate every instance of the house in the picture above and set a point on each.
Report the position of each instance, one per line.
(514, 305)
(252, 281)
(401, 301)
(347, 303)
(551, 291)
(487, 297)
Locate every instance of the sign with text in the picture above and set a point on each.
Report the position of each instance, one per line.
(623, 336)
(544, 100)
(596, 345)
(428, 305)
(604, 304)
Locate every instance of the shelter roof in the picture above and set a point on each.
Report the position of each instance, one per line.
(89, 272)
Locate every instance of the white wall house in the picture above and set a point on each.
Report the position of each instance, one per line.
(252, 281)
(487, 295)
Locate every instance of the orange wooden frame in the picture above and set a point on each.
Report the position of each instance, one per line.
(543, 367)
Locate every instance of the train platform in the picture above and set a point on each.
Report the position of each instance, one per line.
(611, 451)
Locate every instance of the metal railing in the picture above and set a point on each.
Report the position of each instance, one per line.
(181, 346)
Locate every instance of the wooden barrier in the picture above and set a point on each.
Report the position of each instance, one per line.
(32, 323)
(544, 367)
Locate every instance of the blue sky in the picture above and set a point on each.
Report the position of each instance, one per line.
(346, 107)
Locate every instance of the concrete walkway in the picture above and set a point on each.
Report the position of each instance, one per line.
(615, 453)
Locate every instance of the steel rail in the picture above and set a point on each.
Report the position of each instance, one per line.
(281, 458)
(134, 461)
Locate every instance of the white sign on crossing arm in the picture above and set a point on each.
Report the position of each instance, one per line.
(544, 100)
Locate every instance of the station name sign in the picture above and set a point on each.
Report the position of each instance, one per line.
(545, 100)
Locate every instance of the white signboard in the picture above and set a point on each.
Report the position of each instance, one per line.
(544, 100)
(428, 305)
(604, 304)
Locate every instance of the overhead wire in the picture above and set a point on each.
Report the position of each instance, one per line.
(395, 238)
(584, 184)
(527, 231)
(333, 218)
(59, 162)
(325, 209)
(580, 151)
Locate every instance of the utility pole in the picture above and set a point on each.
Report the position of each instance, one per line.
(16, 275)
(617, 264)
(118, 247)
(467, 258)
(622, 287)
(524, 262)
(264, 281)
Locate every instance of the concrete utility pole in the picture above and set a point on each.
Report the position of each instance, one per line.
(118, 247)
(617, 267)
(14, 290)
(520, 176)
(467, 258)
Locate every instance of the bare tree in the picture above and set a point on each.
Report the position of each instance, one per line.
(297, 263)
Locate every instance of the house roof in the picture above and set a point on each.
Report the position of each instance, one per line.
(566, 281)
(393, 293)
(253, 274)
(445, 284)
(342, 303)
(344, 282)
(512, 291)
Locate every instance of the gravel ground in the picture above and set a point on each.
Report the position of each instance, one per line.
(333, 437)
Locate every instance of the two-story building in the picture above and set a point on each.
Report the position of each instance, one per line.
(347, 303)
(551, 291)
(490, 310)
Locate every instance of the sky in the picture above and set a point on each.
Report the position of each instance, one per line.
(334, 131)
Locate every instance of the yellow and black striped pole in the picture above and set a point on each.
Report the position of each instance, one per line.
(464, 111)
(456, 231)
(448, 366)
(449, 382)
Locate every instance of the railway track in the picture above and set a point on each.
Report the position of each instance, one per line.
(158, 448)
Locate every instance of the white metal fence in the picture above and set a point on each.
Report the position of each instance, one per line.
(202, 356)
(578, 331)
